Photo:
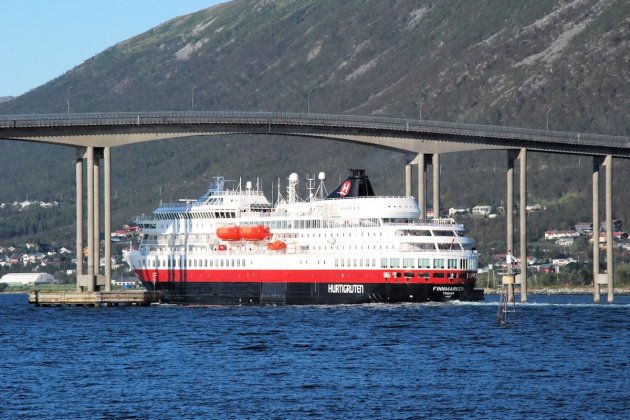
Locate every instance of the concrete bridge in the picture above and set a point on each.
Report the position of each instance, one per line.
(93, 135)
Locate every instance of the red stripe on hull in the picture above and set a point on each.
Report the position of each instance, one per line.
(446, 277)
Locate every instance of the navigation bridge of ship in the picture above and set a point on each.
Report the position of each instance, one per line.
(93, 136)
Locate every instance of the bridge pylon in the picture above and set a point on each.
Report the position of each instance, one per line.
(87, 166)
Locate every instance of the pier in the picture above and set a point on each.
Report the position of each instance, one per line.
(96, 299)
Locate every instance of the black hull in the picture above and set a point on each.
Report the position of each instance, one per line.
(309, 293)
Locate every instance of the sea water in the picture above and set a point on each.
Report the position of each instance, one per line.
(563, 357)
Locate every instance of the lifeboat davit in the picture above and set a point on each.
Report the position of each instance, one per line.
(229, 233)
(277, 245)
(255, 233)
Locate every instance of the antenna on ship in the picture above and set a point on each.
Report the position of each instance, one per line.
(248, 188)
(291, 189)
(279, 189)
(310, 187)
(322, 187)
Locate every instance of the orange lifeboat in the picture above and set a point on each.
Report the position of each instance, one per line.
(229, 233)
(276, 246)
(255, 233)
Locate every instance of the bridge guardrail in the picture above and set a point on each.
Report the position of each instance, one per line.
(304, 119)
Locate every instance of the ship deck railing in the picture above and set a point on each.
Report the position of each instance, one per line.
(297, 250)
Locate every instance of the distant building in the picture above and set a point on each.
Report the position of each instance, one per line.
(453, 211)
(617, 226)
(28, 278)
(622, 243)
(552, 235)
(584, 228)
(481, 210)
(530, 208)
(126, 283)
(565, 241)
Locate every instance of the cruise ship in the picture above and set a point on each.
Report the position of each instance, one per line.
(232, 246)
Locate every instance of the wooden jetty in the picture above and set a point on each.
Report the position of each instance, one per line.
(68, 298)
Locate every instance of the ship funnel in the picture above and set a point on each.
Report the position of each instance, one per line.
(356, 185)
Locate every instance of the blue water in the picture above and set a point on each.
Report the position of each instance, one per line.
(566, 358)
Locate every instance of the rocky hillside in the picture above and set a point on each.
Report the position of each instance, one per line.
(559, 63)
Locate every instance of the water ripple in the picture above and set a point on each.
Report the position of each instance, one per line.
(566, 358)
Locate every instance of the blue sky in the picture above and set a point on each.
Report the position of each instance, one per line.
(42, 39)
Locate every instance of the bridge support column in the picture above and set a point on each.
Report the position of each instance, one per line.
(90, 279)
(609, 231)
(98, 154)
(522, 218)
(107, 203)
(509, 212)
(408, 180)
(435, 161)
(90, 220)
(422, 184)
(79, 215)
(608, 277)
(597, 162)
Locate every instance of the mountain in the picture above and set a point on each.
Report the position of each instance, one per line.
(556, 63)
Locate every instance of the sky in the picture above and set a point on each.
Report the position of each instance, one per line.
(42, 39)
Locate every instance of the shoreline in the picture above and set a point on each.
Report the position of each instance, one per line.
(619, 291)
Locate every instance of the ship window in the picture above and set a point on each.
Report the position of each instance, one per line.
(394, 262)
(438, 263)
(452, 263)
(438, 275)
(408, 263)
(424, 263)
(342, 262)
(336, 262)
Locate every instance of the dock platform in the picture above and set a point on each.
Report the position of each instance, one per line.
(119, 298)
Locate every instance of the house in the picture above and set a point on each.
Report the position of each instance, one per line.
(15, 258)
(616, 236)
(481, 210)
(126, 283)
(530, 208)
(622, 243)
(4, 260)
(552, 235)
(584, 228)
(453, 211)
(565, 241)
(561, 262)
(617, 226)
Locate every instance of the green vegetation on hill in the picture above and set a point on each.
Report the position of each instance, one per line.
(491, 62)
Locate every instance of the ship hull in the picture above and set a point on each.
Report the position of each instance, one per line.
(309, 293)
